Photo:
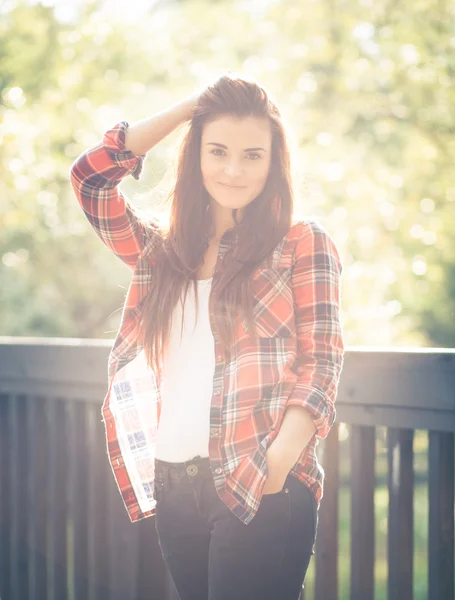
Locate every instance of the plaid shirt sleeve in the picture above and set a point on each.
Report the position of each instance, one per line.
(95, 176)
(316, 284)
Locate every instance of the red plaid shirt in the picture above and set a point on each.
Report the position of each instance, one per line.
(296, 358)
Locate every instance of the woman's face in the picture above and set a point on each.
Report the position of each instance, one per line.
(235, 159)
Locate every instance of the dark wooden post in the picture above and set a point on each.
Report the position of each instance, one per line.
(326, 550)
(401, 514)
(363, 483)
(441, 534)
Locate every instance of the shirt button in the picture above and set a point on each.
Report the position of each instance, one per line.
(218, 471)
(219, 358)
(215, 432)
(217, 393)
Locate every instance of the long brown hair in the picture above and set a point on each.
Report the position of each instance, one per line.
(265, 222)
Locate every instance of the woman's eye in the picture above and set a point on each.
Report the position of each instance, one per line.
(251, 155)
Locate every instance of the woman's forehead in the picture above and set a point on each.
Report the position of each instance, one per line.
(236, 132)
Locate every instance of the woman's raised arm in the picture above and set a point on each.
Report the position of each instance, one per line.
(97, 172)
(142, 135)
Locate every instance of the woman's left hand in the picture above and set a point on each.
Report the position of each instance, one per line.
(278, 469)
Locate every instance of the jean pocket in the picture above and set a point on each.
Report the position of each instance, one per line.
(157, 492)
(283, 493)
(159, 488)
(284, 490)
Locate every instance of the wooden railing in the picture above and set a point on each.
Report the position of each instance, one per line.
(64, 533)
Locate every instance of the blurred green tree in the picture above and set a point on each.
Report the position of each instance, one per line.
(368, 94)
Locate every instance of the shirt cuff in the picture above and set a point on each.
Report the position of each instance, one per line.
(114, 142)
(322, 411)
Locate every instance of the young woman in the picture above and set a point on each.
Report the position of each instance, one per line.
(224, 371)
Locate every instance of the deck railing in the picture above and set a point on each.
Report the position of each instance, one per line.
(64, 533)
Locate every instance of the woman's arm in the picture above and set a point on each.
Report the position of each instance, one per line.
(310, 409)
(296, 431)
(142, 135)
(316, 284)
(97, 172)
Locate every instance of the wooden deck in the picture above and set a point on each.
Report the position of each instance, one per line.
(64, 533)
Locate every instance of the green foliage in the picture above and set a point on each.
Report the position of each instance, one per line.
(366, 90)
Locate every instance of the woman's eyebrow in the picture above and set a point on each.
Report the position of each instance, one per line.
(225, 147)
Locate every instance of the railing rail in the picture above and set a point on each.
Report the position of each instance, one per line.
(64, 532)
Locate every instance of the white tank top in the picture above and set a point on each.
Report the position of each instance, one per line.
(187, 380)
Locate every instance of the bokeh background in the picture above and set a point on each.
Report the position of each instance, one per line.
(366, 88)
(367, 91)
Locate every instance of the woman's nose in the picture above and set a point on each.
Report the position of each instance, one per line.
(233, 169)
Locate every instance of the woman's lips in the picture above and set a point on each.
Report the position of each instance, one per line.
(232, 186)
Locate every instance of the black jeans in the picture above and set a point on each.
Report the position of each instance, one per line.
(212, 555)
